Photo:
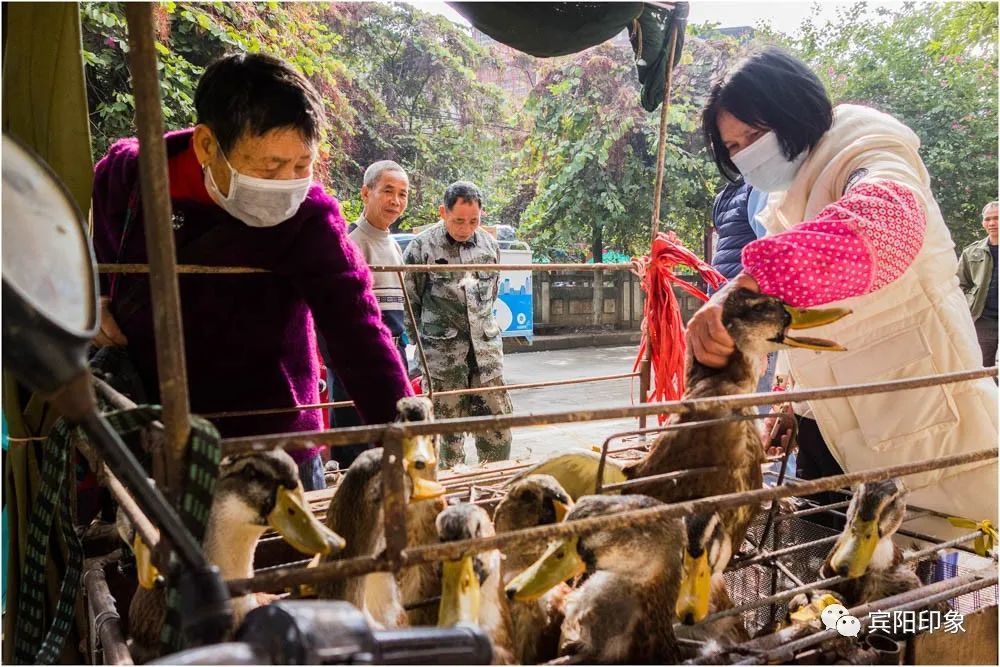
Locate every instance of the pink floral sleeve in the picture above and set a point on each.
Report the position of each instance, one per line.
(856, 245)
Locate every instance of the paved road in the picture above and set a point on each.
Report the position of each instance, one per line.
(524, 367)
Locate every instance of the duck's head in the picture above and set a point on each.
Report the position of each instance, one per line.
(420, 451)
(759, 323)
(360, 490)
(634, 552)
(461, 579)
(535, 500)
(874, 515)
(707, 551)
(807, 608)
(263, 489)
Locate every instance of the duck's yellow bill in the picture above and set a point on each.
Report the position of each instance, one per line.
(854, 548)
(814, 610)
(562, 509)
(808, 318)
(292, 518)
(420, 463)
(460, 594)
(695, 590)
(425, 489)
(419, 452)
(559, 563)
(145, 571)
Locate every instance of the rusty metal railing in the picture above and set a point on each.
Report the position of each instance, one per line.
(376, 432)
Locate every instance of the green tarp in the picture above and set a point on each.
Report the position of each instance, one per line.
(547, 29)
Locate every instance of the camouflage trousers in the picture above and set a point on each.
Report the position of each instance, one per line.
(490, 445)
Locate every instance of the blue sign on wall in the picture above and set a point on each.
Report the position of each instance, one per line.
(514, 306)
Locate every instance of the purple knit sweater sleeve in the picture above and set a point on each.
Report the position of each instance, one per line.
(114, 179)
(337, 285)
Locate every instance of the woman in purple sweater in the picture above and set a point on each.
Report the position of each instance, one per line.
(242, 194)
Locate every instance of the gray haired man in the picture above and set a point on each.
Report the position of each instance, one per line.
(384, 193)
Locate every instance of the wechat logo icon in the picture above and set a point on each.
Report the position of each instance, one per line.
(835, 617)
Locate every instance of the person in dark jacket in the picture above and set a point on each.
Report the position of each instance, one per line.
(731, 219)
(242, 193)
(734, 216)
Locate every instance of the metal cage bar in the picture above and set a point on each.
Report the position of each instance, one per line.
(376, 432)
(203, 269)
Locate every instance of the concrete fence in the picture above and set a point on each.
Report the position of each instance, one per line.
(571, 301)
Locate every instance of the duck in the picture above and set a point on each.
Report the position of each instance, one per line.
(421, 583)
(806, 609)
(536, 500)
(865, 551)
(254, 492)
(758, 324)
(623, 612)
(804, 617)
(707, 551)
(355, 511)
(472, 588)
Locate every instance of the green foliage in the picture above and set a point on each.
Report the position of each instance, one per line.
(575, 167)
(189, 36)
(933, 66)
(418, 102)
(591, 156)
(398, 84)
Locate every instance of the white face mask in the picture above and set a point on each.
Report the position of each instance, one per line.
(765, 167)
(258, 202)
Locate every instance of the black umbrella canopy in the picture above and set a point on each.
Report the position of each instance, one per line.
(547, 29)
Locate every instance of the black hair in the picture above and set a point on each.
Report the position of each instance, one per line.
(464, 190)
(774, 90)
(254, 93)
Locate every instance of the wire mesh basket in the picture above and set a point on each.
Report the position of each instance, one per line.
(753, 582)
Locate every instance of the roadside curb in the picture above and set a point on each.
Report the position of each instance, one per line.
(571, 341)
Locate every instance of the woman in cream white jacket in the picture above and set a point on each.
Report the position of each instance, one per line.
(852, 222)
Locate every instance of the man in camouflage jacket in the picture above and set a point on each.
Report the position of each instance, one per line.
(453, 315)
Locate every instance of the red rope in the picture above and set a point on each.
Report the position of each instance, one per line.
(663, 328)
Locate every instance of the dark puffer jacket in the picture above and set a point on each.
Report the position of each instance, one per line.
(729, 215)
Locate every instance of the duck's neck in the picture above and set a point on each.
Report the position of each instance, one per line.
(494, 614)
(230, 545)
(230, 542)
(738, 376)
(886, 555)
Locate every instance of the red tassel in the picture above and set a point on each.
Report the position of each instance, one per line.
(663, 328)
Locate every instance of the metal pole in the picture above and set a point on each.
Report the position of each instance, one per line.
(645, 367)
(393, 496)
(159, 240)
(105, 622)
(354, 434)
(450, 392)
(661, 150)
(403, 268)
(427, 380)
(644, 380)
